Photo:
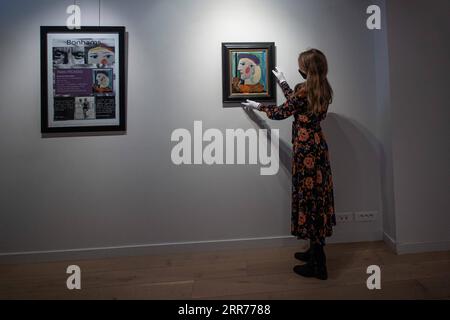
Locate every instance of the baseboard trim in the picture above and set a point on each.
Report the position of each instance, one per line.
(146, 249)
(415, 247)
(344, 236)
(418, 247)
(197, 246)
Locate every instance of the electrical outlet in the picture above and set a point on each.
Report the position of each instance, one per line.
(344, 217)
(366, 216)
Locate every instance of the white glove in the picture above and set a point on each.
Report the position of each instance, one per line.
(251, 105)
(279, 74)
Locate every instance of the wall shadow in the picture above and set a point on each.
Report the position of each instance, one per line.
(285, 147)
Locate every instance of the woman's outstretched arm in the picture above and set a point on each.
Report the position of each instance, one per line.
(288, 108)
(292, 104)
(278, 112)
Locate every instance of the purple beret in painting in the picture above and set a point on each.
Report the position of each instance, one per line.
(252, 57)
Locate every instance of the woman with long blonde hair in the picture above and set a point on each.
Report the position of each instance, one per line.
(313, 215)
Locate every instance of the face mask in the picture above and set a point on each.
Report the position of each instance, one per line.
(304, 75)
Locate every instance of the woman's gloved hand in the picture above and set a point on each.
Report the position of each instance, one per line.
(251, 105)
(279, 74)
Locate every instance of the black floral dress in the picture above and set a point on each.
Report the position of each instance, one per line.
(313, 215)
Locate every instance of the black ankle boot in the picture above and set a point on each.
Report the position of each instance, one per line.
(303, 256)
(321, 260)
(316, 266)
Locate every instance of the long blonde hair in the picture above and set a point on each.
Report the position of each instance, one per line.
(316, 88)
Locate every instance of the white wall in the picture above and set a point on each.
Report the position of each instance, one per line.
(106, 191)
(419, 53)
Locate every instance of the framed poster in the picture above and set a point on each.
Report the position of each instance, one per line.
(83, 79)
(247, 72)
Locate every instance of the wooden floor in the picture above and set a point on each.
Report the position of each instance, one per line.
(236, 274)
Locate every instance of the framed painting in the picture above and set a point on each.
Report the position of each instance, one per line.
(82, 79)
(247, 72)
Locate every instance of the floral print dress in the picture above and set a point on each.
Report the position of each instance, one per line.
(313, 215)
